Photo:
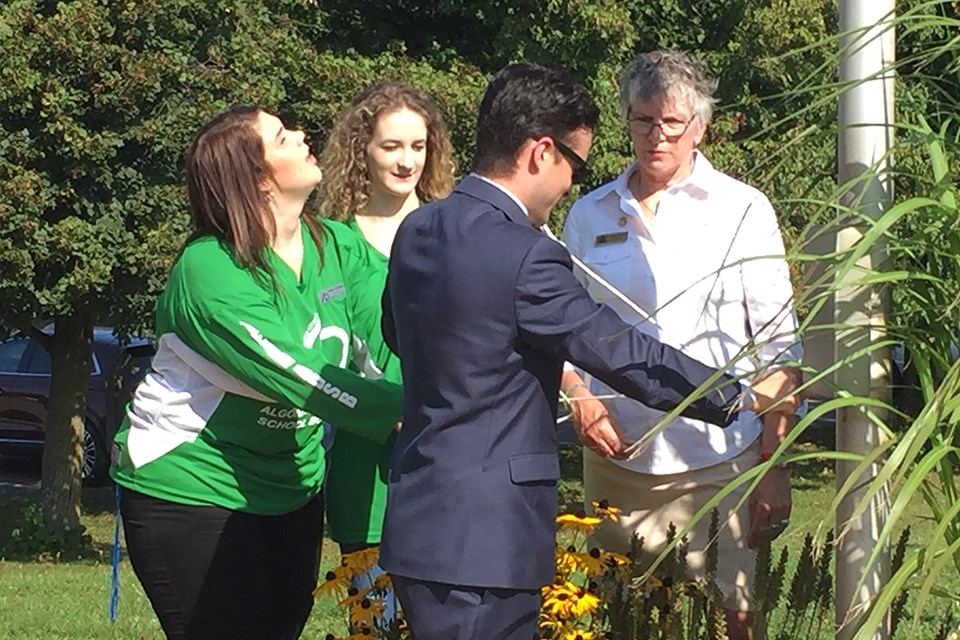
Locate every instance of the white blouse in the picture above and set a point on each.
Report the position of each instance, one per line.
(710, 274)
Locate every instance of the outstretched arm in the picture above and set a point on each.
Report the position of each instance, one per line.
(555, 314)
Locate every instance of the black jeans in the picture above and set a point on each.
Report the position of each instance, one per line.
(213, 573)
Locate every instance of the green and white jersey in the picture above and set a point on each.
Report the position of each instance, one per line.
(248, 374)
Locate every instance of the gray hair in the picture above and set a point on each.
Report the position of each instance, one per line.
(668, 74)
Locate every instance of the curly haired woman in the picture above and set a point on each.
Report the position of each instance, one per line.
(388, 153)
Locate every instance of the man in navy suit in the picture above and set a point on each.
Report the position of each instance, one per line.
(483, 309)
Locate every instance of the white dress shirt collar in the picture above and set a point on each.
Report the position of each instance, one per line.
(699, 180)
(505, 190)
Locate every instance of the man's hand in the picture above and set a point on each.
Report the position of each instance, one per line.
(777, 390)
(770, 506)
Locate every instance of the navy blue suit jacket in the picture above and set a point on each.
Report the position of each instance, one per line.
(483, 309)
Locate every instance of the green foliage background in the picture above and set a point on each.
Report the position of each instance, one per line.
(98, 102)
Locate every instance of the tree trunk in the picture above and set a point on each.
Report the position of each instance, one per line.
(70, 351)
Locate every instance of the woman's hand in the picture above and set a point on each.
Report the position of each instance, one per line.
(595, 428)
(776, 391)
(770, 503)
(770, 506)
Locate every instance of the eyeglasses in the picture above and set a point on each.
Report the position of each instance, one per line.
(669, 128)
(581, 170)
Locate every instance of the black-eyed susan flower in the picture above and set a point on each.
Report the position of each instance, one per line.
(566, 562)
(383, 583)
(649, 583)
(567, 600)
(584, 603)
(603, 509)
(557, 598)
(616, 562)
(335, 582)
(591, 562)
(366, 612)
(354, 596)
(360, 562)
(578, 522)
(577, 634)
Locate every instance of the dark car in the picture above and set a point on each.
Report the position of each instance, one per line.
(25, 387)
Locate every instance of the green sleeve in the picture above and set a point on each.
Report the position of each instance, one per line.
(365, 275)
(224, 314)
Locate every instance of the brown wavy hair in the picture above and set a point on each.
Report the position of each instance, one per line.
(346, 182)
(226, 171)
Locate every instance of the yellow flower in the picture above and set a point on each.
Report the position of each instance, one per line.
(649, 583)
(557, 598)
(584, 603)
(616, 561)
(567, 600)
(366, 612)
(354, 596)
(578, 522)
(358, 563)
(603, 509)
(591, 562)
(383, 583)
(566, 561)
(337, 581)
(577, 634)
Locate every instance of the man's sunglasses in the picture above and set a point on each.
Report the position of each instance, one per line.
(581, 170)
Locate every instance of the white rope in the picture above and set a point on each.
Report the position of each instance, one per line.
(581, 268)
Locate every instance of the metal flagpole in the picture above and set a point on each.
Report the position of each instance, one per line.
(866, 113)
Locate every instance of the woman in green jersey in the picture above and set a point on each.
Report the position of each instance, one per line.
(222, 456)
(388, 152)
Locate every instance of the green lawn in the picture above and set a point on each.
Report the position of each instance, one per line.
(69, 600)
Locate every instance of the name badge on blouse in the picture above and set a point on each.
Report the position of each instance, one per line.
(332, 293)
(610, 238)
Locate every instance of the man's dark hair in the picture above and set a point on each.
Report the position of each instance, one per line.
(525, 101)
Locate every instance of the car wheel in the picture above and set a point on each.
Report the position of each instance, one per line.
(93, 470)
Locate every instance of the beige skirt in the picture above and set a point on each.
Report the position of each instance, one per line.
(649, 503)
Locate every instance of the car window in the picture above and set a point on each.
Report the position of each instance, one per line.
(11, 352)
(40, 363)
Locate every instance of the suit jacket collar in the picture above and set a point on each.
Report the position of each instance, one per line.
(473, 185)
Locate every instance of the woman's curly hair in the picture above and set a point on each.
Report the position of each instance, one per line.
(345, 187)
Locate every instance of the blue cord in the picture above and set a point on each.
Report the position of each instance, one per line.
(115, 577)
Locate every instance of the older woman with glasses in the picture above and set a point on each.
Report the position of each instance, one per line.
(701, 257)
